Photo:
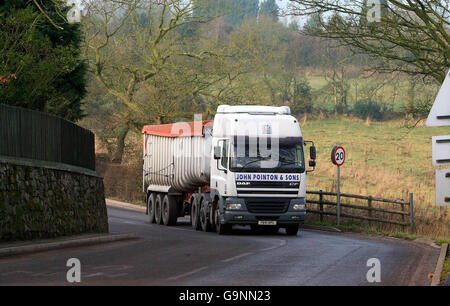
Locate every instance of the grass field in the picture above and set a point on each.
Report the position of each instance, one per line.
(384, 159)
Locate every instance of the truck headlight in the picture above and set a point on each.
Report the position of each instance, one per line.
(234, 206)
(299, 207)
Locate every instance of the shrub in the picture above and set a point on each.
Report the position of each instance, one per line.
(302, 99)
(369, 108)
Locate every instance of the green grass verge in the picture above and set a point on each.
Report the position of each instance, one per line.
(442, 241)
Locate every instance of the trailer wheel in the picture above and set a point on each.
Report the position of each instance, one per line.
(195, 216)
(158, 206)
(204, 216)
(221, 229)
(169, 210)
(292, 230)
(151, 207)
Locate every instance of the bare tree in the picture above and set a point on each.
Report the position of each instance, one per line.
(410, 36)
(136, 54)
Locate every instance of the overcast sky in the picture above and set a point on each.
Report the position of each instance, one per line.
(283, 5)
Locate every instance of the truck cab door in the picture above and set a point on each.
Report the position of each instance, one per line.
(220, 166)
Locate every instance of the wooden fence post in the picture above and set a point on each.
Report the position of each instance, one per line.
(321, 205)
(411, 212)
(369, 203)
(403, 217)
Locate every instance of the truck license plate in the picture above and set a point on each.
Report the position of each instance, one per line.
(267, 222)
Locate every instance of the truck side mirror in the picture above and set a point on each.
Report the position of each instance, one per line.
(217, 154)
(312, 152)
(312, 163)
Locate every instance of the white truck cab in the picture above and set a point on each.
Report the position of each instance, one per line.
(258, 169)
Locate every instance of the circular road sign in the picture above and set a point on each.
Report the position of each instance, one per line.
(338, 156)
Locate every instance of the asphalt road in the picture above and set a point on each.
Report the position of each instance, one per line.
(181, 256)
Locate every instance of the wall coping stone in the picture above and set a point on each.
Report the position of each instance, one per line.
(47, 165)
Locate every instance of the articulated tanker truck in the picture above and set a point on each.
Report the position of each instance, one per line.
(247, 167)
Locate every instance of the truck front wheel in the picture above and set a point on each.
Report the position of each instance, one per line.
(169, 210)
(292, 230)
(158, 206)
(221, 229)
(204, 215)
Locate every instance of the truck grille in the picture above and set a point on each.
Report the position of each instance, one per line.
(267, 207)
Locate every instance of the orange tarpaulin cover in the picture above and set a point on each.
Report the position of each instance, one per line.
(177, 129)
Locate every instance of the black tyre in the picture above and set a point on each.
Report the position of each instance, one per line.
(195, 215)
(204, 215)
(212, 216)
(221, 229)
(292, 230)
(169, 210)
(151, 207)
(256, 229)
(158, 208)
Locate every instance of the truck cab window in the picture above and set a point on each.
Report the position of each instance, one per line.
(224, 160)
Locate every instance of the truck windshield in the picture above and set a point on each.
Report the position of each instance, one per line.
(288, 158)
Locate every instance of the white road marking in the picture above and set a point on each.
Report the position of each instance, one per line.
(117, 275)
(187, 273)
(237, 257)
(93, 275)
(45, 274)
(115, 268)
(282, 243)
(16, 272)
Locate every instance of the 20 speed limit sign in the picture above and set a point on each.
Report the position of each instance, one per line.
(338, 156)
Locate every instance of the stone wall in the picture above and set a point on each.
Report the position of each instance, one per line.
(45, 202)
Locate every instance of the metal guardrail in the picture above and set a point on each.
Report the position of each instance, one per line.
(407, 208)
(34, 135)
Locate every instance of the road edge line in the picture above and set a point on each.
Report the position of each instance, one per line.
(439, 265)
(320, 228)
(124, 205)
(49, 246)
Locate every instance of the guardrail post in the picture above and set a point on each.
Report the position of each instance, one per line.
(321, 205)
(369, 203)
(411, 212)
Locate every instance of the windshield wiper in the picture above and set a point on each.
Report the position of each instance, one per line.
(260, 158)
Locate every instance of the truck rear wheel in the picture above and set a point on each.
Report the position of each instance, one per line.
(195, 216)
(151, 207)
(204, 216)
(169, 211)
(158, 205)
